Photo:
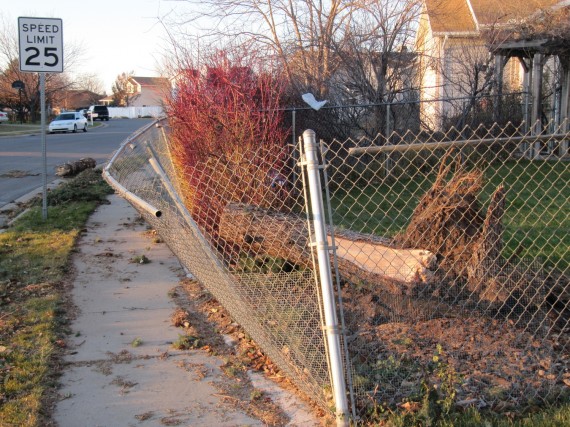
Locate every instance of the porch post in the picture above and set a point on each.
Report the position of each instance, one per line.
(527, 78)
(536, 115)
(565, 103)
(499, 68)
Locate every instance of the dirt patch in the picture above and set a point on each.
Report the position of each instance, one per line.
(489, 362)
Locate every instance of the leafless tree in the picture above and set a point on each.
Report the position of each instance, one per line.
(302, 33)
(343, 51)
(90, 82)
(378, 65)
(469, 73)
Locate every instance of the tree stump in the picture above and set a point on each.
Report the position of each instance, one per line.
(448, 235)
(485, 262)
(448, 222)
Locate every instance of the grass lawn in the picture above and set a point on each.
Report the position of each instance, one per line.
(34, 262)
(553, 417)
(7, 129)
(537, 218)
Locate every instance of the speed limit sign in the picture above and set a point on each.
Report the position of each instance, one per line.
(41, 44)
(41, 51)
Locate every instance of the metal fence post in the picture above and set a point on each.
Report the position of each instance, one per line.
(389, 164)
(293, 145)
(321, 242)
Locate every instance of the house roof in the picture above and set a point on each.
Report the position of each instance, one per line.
(151, 81)
(80, 98)
(465, 16)
(489, 12)
(450, 16)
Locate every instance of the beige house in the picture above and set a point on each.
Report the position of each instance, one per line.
(466, 49)
(147, 91)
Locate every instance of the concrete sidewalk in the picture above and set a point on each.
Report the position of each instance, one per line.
(121, 367)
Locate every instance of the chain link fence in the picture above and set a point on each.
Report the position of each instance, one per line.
(240, 229)
(468, 294)
(450, 256)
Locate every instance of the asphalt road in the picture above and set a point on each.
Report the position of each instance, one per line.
(21, 156)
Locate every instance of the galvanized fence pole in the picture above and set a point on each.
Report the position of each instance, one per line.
(332, 328)
(350, 383)
(388, 130)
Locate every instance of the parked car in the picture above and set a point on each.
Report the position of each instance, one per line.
(3, 117)
(68, 121)
(98, 112)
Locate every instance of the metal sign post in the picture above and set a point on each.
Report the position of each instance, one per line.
(44, 145)
(41, 51)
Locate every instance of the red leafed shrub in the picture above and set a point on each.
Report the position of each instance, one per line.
(227, 139)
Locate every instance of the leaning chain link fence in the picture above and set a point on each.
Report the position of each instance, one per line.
(240, 229)
(458, 281)
(451, 254)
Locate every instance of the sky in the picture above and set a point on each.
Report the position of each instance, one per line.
(116, 36)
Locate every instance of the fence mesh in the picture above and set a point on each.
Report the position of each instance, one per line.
(468, 294)
(451, 252)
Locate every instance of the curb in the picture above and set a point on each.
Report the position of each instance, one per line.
(6, 221)
(7, 209)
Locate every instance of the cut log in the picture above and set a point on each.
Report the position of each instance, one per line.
(361, 258)
(73, 168)
(404, 265)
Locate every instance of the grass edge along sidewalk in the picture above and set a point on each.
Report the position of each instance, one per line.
(34, 269)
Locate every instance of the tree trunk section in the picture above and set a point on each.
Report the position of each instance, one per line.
(73, 168)
(361, 258)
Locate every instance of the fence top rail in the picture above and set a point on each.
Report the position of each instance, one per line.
(130, 138)
(394, 103)
(358, 151)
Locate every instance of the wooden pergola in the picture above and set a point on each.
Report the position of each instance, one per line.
(532, 54)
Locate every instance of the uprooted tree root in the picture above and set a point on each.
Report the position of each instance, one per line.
(451, 222)
(448, 219)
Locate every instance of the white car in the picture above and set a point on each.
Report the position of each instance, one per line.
(68, 121)
(3, 116)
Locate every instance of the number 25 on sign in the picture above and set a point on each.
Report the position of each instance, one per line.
(41, 44)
